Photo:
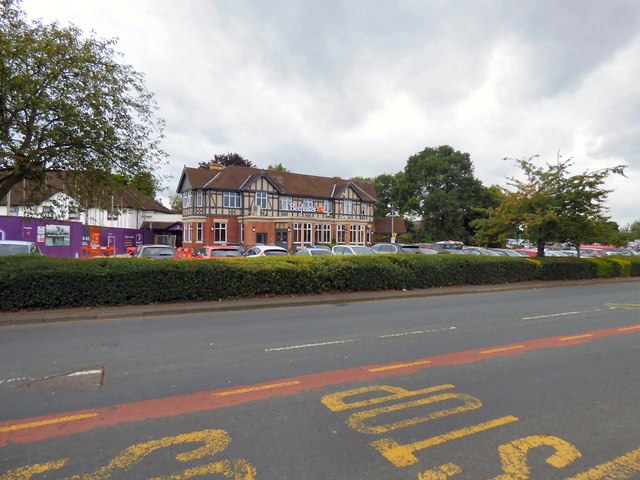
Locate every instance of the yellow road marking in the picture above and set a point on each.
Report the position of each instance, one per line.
(503, 349)
(576, 337)
(256, 389)
(626, 329)
(403, 455)
(400, 365)
(621, 468)
(43, 423)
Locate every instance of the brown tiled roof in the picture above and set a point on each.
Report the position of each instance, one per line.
(287, 183)
(124, 196)
(383, 225)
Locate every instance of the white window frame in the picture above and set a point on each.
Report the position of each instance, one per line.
(186, 199)
(285, 203)
(348, 207)
(199, 200)
(357, 235)
(231, 200)
(262, 200)
(187, 232)
(297, 234)
(307, 203)
(327, 206)
(323, 233)
(307, 233)
(341, 234)
(219, 232)
(199, 232)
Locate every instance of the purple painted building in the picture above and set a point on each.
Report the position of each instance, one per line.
(59, 238)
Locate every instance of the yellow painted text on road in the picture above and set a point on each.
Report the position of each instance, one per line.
(336, 402)
(357, 420)
(26, 473)
(622, 468)
(403, 455)
(514, 455)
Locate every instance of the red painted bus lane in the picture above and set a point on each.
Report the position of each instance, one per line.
(41, 428)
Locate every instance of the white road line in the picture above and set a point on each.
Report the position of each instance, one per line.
(560, 314)
(84, 372)
(417, 332)
(308, 345)
(12, 380)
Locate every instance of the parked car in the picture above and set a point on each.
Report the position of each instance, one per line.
(157, 252)
(527, 251)
(482, 251)
(382, 248)
(216, 251)
(352, 250)
(314, 251)
(507, 252)
(265, 251)
(18, 247)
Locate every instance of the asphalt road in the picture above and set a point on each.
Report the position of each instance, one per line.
(540, 383)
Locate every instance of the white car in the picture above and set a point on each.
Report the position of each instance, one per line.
(18, 247)
(352, 250)
(265, 251)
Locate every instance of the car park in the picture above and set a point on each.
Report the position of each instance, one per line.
(316, 252)
(265, 251)
(352, 250)
(18, 247)
(216, 251)
(156, 252)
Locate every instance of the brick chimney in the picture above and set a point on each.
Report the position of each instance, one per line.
(215, 166)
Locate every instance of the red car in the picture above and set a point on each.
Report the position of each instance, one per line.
(216, 251)
(527, 251)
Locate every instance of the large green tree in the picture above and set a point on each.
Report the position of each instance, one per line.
(67, 105)
(438, 186)
(551, 204)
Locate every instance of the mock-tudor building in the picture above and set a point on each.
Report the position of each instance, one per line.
(248, 205)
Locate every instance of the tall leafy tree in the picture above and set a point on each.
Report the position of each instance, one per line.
(551, 204)
(67, 105)
(227, 160)
(438, 186)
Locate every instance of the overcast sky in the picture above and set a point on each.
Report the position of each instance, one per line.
(353, 88)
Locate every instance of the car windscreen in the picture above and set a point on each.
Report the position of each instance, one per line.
(158, 252)
(9, 249)
(275, 253)
(362, 250)
(320, 251)
(411, 249)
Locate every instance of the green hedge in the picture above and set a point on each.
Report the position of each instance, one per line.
(42, 282)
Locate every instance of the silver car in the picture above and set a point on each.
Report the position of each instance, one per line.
(18, 247)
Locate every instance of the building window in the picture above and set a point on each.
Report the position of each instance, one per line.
(187, 232)
(261, 199)
(356, 236)
(297, 233)
(307, 204)
(348, 207)
(327, 206)
(186, 199)
(363, 209)
(307, 237)
(231, 200)
(47, 211)
(199, 198)
(285, 203)
(199, 229)
(323, 233)
(340, 234)
(219, 232)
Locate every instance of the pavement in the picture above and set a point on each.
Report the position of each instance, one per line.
(8, 318)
